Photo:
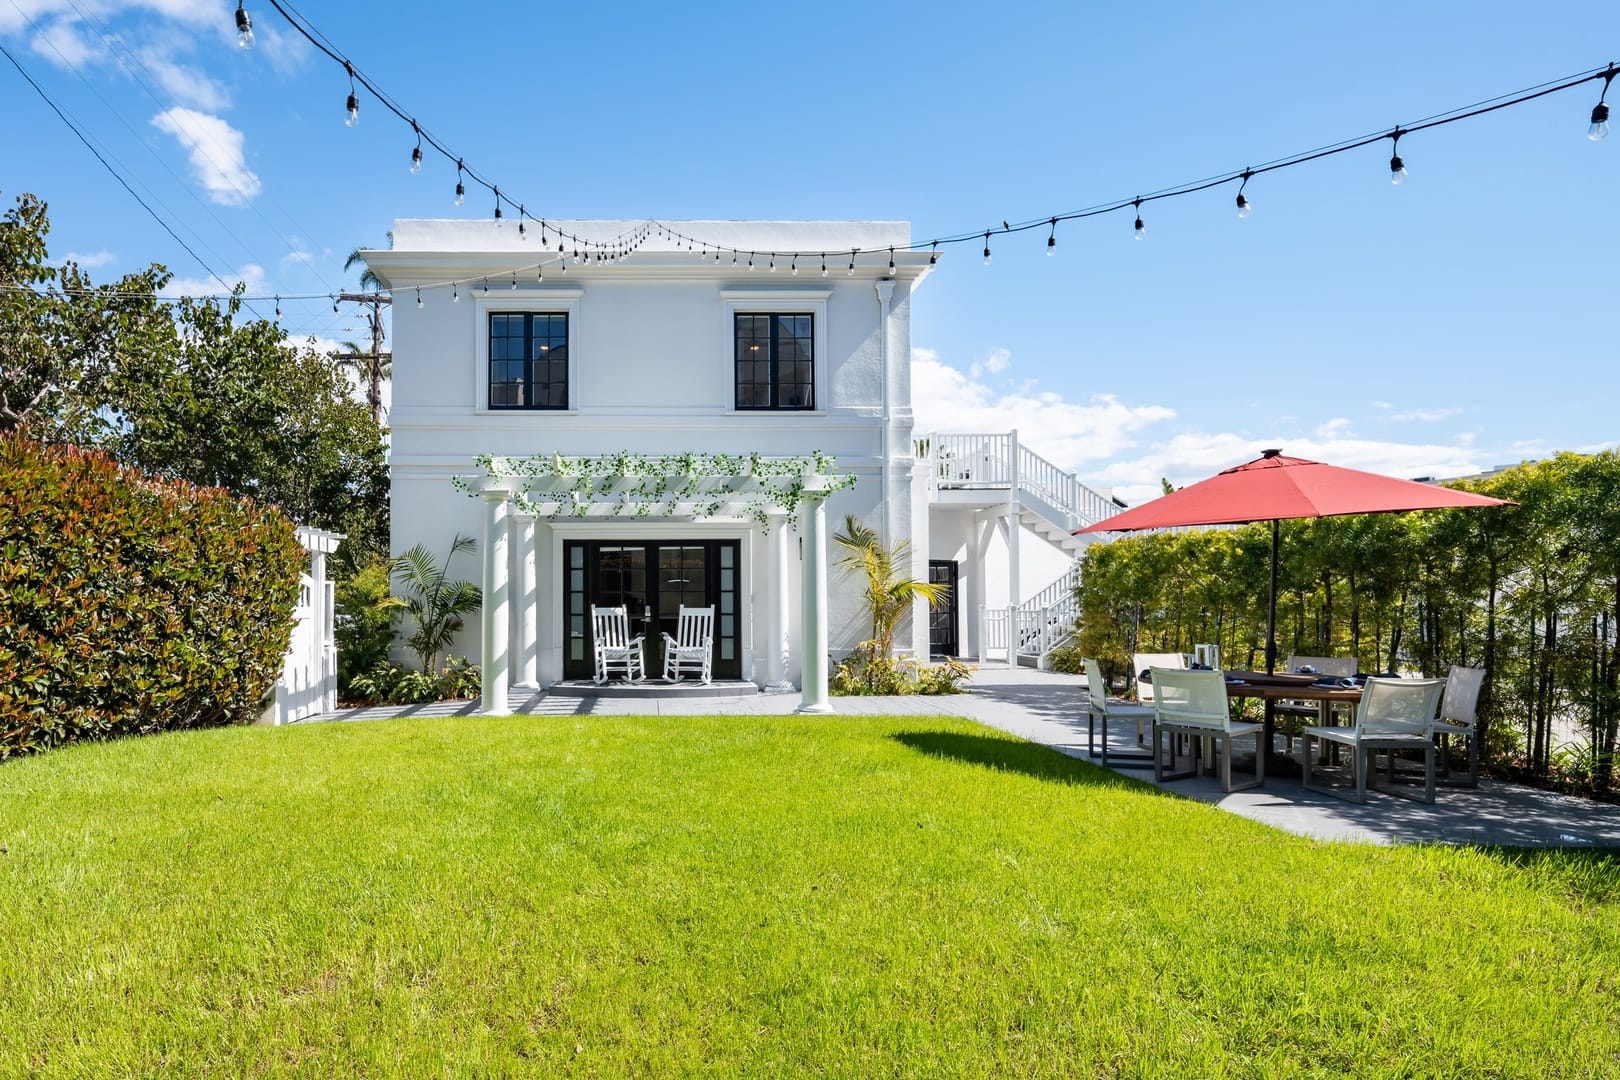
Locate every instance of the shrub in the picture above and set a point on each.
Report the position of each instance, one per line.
(867, 672)
(130, 605)
(386, 683)
(1068, 658)
(365, 623)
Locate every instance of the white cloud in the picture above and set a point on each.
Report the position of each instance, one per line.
(1110, 444)
(250, 274)
(1427, 416)
(63, 45)
(216, 154)
(183, 83)
(944, 398)
(297, 258)
(995, 362)
(286, 52)
(90, 260)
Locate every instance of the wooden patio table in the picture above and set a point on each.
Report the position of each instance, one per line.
(1324, 696)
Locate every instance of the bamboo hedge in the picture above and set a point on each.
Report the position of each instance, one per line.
(1529, 592)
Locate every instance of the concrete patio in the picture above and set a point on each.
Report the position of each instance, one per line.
(1044, 707)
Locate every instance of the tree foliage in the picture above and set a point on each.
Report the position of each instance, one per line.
(1530, 592)
(434, 601)
(185, 390)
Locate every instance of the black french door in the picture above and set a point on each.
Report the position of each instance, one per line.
(652, 580)
(942, 614)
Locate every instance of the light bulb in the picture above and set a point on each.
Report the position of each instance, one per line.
(244, 27)
(418, 299)
(1141, 229)
(1051, 246)
(1243, 205)
(1600, 121)
(1397, 170)
(416, 160)
(987, 256)
(455, 295)
(353, 119)
(461, 193)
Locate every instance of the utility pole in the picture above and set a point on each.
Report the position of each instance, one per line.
(375, 361)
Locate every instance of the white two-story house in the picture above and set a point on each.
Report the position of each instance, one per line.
(544, 397)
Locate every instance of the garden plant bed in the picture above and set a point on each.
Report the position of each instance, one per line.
(766, 895)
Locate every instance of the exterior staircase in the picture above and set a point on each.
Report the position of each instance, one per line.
(1052, 503)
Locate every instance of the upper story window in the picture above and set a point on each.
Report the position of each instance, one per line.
(775, 361)
(528, 360)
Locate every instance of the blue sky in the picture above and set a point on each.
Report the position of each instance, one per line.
(1463, 320)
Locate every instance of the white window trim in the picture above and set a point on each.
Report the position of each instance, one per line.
(523, 300)
(812, 302)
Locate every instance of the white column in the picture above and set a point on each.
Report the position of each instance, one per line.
(814, 572)
(885, 293)
(497, 562)
(778, 637)
(528, 658)
(1013, 597)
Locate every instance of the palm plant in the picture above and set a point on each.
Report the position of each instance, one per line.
(434, 601)
(889, 593)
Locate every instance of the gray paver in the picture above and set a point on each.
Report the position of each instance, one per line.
(1044, 707)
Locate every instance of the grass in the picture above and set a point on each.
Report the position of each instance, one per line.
(750, 896)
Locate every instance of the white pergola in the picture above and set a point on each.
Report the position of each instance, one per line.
(772, 491)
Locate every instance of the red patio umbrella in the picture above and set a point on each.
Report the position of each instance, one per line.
(1273, 487)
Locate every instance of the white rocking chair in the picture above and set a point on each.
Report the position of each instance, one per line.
(616, 650)
(693, 646)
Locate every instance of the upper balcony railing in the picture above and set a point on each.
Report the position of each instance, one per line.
(997, 461)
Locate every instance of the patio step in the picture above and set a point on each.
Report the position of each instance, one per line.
(653, 688)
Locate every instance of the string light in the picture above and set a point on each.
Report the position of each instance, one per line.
(486, 286)
(353, 105)
(418, 299)
(416, 153)
(823, 264)
(1600, 111)
(497, 208)
(540, 274)
(933, 256)
(514, 281)
(852, 261)
(1051, 240)
(523, 234)
(1597, 130)
(1243, 204)
(773, 262)
(1141, 229)
(461, 189)
(278, 309)
(987, 247)
(1397, 167)
(334, 300)
(244, 26)
(455, 295)
(891, 262)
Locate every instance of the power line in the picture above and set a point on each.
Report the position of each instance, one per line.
(112, 171)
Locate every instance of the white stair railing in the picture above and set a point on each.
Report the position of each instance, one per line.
(972, 461)
(1035, 627)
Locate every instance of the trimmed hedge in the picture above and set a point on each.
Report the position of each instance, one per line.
(130, 605)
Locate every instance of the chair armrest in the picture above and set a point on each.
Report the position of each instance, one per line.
(637, 640)
(672, 642)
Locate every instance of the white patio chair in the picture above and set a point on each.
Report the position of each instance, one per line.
(1146, 661)
(1193, 703)
(616, 650)
(692, 647)
(1457, 707)
(1100, 707)
(1310, 711)
(1395, 714)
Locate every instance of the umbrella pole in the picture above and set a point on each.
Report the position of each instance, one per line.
(1271, 611)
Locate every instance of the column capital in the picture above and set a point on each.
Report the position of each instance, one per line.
(495, 488)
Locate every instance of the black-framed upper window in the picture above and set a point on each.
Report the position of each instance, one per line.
(528, 360)
(775, 361)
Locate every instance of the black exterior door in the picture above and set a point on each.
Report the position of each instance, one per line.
(652, 580)
(942, 614)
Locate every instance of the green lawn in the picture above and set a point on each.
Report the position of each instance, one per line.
(739, 895)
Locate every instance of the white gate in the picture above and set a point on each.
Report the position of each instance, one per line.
(308, 683)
